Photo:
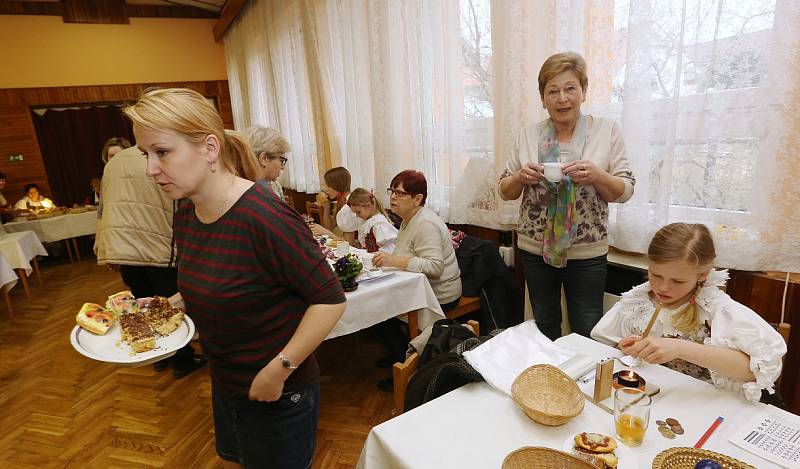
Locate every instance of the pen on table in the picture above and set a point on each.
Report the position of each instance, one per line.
(708, 432)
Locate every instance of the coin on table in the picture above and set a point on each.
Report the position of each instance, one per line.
(672, 422)
(667, 432)
(677, 429)
(661, 423)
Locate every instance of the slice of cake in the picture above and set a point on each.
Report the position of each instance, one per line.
(122, 303)
(136, 331)
(162, 315)
(94, 318)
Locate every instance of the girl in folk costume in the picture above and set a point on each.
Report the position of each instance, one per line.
(375, 231)
(698, 329)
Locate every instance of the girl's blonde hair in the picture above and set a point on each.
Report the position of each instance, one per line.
(691, 243)
(190, 114)
(361, 196)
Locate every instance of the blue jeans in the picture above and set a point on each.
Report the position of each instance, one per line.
(584, 282)
(280, 434)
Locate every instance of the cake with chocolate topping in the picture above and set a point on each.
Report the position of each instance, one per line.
(162, 315)
(136, 331)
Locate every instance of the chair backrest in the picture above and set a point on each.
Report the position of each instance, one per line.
(402, 372)
(313, 210)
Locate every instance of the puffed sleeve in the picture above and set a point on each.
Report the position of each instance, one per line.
(384, 232)
(347, 220)
(619, 165)
(624, 318)
(737, 327)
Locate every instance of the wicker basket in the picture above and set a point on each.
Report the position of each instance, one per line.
(687, 458)
(547, 395)
(537, 457)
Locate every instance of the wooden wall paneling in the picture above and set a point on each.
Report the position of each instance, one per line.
(12, 7)
(91, 11)
(18, 137)
(229, 13)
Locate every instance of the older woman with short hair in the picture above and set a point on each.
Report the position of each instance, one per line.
(563, 225)
(270, 147)
(423, 245)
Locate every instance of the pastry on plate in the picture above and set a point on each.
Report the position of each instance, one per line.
(94, 318)
(162, 315)
(136, 331)
(597, 449)
(122, 303)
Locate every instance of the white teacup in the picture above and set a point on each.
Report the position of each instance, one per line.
(366, 260)
(342, 249)
(553, 171)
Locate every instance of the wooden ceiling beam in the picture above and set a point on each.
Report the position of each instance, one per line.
(134, 10)
(228, 13)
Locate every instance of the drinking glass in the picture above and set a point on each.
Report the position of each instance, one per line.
(631, 415)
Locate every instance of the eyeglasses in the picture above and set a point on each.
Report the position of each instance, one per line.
(282, 158)
(397, 193)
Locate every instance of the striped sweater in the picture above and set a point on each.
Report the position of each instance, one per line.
(247, 280)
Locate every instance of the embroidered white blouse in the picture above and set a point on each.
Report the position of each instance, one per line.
(731, 325)
(385, 233)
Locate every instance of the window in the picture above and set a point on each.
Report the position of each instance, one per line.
(476, 41)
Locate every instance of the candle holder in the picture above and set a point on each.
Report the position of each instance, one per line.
(628, 379)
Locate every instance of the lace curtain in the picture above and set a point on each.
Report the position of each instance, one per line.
(703, 90)
(374, 86)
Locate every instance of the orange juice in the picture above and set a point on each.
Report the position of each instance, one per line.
(630, 429)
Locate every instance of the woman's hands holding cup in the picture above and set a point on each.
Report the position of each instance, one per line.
(530, 173)
(583, 172)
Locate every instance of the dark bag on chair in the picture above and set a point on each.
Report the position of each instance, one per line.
(446, 334)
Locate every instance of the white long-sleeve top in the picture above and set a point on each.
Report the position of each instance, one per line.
(723, 322)
(385, 233)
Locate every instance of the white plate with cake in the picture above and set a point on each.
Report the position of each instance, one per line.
(123, 334)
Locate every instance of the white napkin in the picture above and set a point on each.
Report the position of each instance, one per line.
(501, 359)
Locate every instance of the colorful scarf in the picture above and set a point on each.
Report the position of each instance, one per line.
(560, 230)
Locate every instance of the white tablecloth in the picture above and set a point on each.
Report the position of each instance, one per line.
(476, 426)
(20, 248)
(375, 302)
(57, 228)
(8, 278)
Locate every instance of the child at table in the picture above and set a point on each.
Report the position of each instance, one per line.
(699, 330)
(375, 232)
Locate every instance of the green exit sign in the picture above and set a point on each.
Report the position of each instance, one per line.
(15, 158)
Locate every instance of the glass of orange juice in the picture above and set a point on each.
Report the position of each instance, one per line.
(631, 415)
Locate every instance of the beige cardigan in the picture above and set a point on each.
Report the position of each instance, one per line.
(605, 148)
(426, 239)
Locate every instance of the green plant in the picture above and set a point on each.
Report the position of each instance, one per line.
(347, 267)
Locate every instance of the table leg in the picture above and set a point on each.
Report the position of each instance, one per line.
(69, 250)
(77, 251)
(35, 262)
(24, 279)
(413, 323)
(8, 303)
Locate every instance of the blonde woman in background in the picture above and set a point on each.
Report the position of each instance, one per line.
(250, 276)
(699, 330)
(270, 148)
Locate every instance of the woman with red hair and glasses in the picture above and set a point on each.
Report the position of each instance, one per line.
(423, 245)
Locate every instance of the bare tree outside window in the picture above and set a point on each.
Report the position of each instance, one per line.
(476, 39)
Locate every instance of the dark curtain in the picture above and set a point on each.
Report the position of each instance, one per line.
(71, 141)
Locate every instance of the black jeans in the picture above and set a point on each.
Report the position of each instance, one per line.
(279, 434)
(584, 282)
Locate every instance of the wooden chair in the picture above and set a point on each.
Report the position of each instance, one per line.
(402, 372)
(314, 210)
(466, 305)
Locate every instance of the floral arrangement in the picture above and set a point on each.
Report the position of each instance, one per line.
(347, 269)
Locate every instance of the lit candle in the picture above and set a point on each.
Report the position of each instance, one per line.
(628, 379)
